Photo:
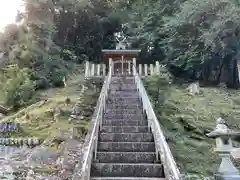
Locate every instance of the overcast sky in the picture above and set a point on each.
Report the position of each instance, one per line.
(8, 11)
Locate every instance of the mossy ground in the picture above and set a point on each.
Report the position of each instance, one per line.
(37, 121)
(185, 120)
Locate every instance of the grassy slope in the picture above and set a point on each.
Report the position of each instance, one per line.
(186, 118)
(40, 122)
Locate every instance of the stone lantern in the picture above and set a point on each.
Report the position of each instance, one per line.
(223, 136)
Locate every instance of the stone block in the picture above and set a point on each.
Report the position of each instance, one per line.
(126, 146)
(127, 170)
(125, 129)
(126, 157)
(126, 137)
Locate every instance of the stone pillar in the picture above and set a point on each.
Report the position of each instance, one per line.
(140, 69)
(104, 69)
(134, 66)
(157, 67)
(87, 69)
(145, 69)
(98, 70)
(93, 70)
(151, 69)
(113, 68)
(129, 67)
(122, 66)
(110, 63)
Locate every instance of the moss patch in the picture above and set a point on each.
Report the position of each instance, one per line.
(186, 119)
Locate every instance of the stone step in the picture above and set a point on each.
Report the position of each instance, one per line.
(126, 137)
(126, 157)
(123, 81)
(126, 178)
(123, 100)
(115, 93)
(128, 82)
(120, 84)
(127, 170)
(122, 122)
(124, 116)
(119, 93)
(124, 77)
(112, 106)
(122, 93)
(126, 147)
(124, 104)
(122, 88)
(124, 129)
(123, 110)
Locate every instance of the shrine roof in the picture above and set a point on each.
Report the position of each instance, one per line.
(120, 52)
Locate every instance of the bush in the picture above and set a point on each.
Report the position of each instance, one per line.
(159, 86)
(56, 78)
(18, 89)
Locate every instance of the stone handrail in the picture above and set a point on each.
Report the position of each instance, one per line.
(170, 168)
(82, 170)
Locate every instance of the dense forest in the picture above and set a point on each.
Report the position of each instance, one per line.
(197, 40)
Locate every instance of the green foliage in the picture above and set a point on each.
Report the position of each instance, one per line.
(196, 39)
(51, 39)
(185, 120)
(159, 86)
(18, 88)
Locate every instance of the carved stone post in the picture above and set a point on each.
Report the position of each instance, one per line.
(140, 69)
(122, 64)
(93, 70)
(134, 66)
(87, 69)
(223, 136)
(129, 67)
(145, 69)
(151, 69)
(157, 67)
(110, 63)
(98, 70)
(104, 69)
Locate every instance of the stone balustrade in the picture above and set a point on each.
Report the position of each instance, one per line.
(9, 127)
(19, 141)
(163, 151)
(99, 70)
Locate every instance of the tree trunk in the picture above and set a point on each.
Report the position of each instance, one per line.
(233, 77)
(220, 73)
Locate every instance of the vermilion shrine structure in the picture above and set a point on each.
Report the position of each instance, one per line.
(122, 61)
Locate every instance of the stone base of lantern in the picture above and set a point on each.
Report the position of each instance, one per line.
(229, 177)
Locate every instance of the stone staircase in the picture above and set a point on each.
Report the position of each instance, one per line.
(126, 148)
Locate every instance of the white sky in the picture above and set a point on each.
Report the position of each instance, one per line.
(8, 11)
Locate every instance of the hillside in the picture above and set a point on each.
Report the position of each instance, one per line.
(49, 119)
(186, 119)
(37, 120)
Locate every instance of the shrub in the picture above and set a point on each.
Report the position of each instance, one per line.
(19, 88)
